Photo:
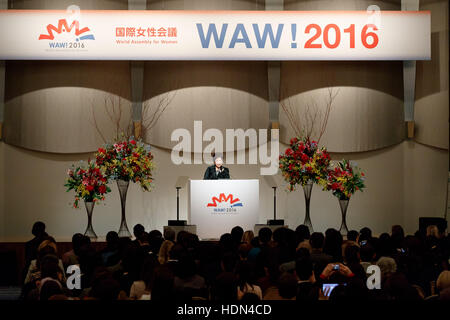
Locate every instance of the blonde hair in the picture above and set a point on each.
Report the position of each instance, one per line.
(47, 243)
(248, 236)
(443, 281)
(164, 251)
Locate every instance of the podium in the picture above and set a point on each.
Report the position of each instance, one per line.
(216, 206)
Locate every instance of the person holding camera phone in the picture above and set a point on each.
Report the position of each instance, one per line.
(329, 272)
(336, 268)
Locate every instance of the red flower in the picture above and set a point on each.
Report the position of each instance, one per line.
(304, 158)
(335, 186)
(90, 188)
(133, 142)
(102, 189)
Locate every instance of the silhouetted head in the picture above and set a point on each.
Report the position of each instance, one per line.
(316, 240)
(38, 229)
(302, 233)
(225, 288)
(287, 285)
(304, 268)
(138, 230)
(265, 235)
(112, 239)
(237, 233)
(169, 234)
(365, 234)
(352, 235)
(77, 240)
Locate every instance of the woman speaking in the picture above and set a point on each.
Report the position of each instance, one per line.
(217, 170)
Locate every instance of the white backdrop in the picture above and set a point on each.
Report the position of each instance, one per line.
(215, 35)
(216, 206)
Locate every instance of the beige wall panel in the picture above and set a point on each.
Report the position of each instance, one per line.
(425, 172)
(367, 112)
(221, 94)
(62, 120)
(432, 96)
(27, 76)
(49, 105)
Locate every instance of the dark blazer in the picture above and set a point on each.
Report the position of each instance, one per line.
(307, 291)
(210, 173)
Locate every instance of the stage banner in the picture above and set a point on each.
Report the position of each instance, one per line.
(214, 35)
(216, 206)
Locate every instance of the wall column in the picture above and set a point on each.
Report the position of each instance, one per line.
(409, 77)
(274, 75)
(137, 79)
(3, 6)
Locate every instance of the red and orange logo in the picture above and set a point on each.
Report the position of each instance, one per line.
(63, 26)
(234, 202)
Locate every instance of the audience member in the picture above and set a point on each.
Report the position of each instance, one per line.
(280, 265)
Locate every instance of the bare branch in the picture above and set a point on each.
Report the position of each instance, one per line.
(95, 124)
(113, 109)
(152, 113)
(309, 120)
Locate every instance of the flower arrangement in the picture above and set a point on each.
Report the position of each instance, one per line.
(303, 161)
(128, 160)
(88, 181)
(345, 179)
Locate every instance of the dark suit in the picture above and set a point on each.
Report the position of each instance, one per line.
(307, 291)
(210, 173)
(31, 251)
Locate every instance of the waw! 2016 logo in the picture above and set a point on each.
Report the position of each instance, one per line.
(66, 36)
(225, 204)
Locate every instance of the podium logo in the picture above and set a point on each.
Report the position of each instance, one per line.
(225, 204)
(66, 36)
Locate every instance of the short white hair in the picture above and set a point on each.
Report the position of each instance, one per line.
(387, 265)
(219, 156)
